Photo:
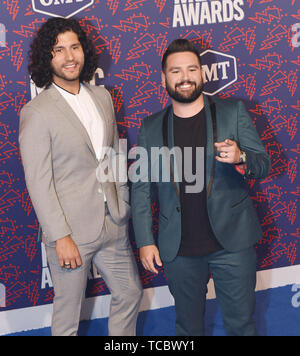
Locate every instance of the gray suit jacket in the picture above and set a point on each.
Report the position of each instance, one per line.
(60, 167)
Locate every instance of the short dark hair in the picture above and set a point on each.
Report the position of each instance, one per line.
(177, 46)
(40, 55)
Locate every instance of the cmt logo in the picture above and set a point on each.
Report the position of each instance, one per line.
(220, 71)
(60, 8)
(2, 296)
(296, 36)
(2, 35)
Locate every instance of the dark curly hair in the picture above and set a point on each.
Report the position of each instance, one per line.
(40, 54)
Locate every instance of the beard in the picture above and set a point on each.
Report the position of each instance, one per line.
(68, 77)
(185, 99)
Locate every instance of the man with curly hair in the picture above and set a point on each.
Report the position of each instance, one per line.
(64, 135)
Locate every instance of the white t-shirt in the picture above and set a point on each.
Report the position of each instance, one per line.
(85, 108)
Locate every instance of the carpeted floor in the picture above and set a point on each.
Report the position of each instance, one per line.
(277, 314)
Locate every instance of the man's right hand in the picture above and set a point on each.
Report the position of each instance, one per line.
(68, 253)
(150, 254)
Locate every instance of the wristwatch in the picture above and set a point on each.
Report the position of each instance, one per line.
(243, 158)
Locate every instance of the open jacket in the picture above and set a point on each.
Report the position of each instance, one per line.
(60, 167)
(230, 209)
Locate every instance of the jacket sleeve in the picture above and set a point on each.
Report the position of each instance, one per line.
(141, 196)
(35, 148)
(258, 161)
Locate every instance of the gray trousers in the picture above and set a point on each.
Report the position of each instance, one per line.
(112, 255)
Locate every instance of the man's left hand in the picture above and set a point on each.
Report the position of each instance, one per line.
(229, 152)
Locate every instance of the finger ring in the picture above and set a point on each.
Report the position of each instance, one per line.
(67, 264)
(225, 155)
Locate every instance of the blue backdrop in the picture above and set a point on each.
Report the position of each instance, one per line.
(250, 52)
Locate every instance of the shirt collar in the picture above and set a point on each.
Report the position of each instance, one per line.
(64, 91)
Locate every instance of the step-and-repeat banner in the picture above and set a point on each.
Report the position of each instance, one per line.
(250, 51)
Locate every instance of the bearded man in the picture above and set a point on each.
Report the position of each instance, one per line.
(208, 231)
(65, 133)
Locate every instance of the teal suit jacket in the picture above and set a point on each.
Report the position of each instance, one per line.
(230, 209)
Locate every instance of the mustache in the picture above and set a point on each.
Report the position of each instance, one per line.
(185, 82)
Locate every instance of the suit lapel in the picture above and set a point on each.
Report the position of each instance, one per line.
(71, 116)
(174, 168)
(211, 138)
(168, 141)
